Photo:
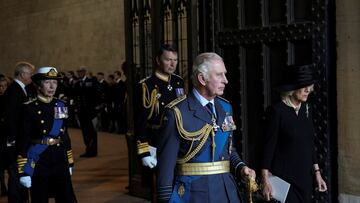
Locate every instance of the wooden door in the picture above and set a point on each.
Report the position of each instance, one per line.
(258, 39)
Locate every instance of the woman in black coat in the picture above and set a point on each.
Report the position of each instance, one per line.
(289, 139)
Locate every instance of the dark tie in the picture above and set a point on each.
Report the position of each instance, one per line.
(211, 109)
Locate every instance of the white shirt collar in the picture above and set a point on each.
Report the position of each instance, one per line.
(202, 99)
(22, 85)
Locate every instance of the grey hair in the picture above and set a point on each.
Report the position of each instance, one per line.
(21, 66)
(286, 94)
(202, 64)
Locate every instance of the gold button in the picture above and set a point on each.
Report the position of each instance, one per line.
(42, 121)
(44, 131)
(39, 112)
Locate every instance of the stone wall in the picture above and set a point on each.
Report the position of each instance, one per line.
(348, 98)
(65, 34)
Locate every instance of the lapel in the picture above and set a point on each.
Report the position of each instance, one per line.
(198, 110)
(20, 90)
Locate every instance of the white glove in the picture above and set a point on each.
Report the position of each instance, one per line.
(149, 161)
(25, 181)
(70, 170)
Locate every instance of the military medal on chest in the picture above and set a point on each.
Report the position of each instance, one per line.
(215, 126)
(228, 124)
(169, 87)
(60, 112)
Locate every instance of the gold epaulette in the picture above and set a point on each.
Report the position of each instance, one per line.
(30, 101)
(223, 99)
(144, 79)
(178, 76)
(175, 101)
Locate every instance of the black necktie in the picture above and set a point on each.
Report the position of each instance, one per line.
(211, 109)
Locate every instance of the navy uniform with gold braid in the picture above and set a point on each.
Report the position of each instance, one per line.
(156, 92)
(197, 161)
(44, 150)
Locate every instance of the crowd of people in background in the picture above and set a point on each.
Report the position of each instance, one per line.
(110, 97)
(108, 103)
(96, 102)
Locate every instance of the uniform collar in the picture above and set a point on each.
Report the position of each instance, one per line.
(163, 76)
(44, 99)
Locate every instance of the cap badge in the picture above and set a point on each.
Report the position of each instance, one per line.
(52, 73)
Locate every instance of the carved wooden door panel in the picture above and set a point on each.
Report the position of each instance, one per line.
(257, 39)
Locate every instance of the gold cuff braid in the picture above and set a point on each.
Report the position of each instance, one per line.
(70, 157)
(142, 147)
(21, 162)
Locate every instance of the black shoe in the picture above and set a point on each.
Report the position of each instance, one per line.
(87, 155)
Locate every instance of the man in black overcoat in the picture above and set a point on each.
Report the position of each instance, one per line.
(86, 99)
(15, 96)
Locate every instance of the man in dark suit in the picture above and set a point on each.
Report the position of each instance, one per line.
(197, 160)
(4, 83)
(119, 102)
(104, 118)
(15, 96)
(86, 99)
(155, 92)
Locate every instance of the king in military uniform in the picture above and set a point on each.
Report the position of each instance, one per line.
(156, 92)
(197, 160)
(45, 158)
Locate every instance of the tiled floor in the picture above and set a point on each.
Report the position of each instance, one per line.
(102, 179)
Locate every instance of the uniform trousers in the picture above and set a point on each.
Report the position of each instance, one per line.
(89, 133)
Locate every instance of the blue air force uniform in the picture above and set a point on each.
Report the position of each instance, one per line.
(197, 161)
(44, 150)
